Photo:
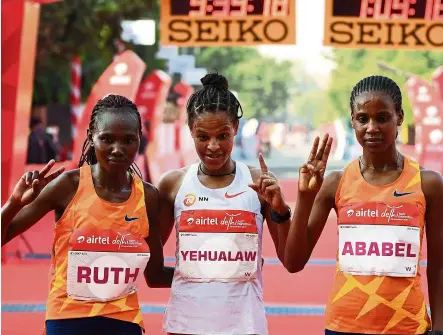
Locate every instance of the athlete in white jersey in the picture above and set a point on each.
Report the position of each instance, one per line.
(218, 213)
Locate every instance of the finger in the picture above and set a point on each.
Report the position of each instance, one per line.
(28, 178)
(263, 166)
(47, 167)
(35, 175)
(322, 147)
(254, 187)
(55, 174)
(327, 150)
(266, 183)
(271, 191)
(314, 149)
(35, 183)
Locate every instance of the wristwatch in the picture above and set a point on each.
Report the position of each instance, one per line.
(277, 218)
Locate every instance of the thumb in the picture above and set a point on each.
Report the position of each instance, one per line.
(254, 187)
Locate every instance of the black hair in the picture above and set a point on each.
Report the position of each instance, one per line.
(378, 84)
(111, 101)
(214, 96)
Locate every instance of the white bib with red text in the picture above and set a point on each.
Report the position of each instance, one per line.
(104, 264)
(217, 245)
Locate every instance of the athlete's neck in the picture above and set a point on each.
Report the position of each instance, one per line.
(388, 160)
(110, 180)
(227, 169)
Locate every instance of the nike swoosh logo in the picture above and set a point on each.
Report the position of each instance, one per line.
(396, 194)
(230, 196)
(130, 219)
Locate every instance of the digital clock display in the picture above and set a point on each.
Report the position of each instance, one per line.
(384, 24)
(230, 8)
(390, 9)
(227, 22)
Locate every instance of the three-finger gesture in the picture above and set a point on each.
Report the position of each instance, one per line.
(31, 183)
(268, 187)
(312, 173)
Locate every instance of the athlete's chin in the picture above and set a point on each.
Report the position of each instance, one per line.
(213, 163)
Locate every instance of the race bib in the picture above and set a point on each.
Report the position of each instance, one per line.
(379, 239)
(104, 264)
(218, 245)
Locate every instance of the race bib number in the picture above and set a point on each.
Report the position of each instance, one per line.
(379, 250)
(103, 265)
(218, 245)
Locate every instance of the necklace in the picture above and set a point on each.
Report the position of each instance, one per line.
(217, 175)
(384, 168)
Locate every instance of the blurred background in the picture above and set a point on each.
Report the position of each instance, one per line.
(292, 66)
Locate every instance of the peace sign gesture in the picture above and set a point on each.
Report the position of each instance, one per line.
(311, 173)
(32, 183)
(268, 187)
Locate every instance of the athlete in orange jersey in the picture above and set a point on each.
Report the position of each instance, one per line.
(107, 232)
(384, 202)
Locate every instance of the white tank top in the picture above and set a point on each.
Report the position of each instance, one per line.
(217, 285)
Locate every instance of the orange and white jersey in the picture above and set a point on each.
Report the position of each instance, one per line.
(99, 252)
(217, 286)
(380, 230)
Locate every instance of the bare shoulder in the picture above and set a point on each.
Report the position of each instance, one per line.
(150, 190)
(331, 183)
(431, 182)
(170, 181)
(63, 188)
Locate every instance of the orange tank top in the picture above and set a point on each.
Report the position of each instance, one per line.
(99, 250)
(377, 287)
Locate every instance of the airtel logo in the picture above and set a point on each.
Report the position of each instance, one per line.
(190, 221)
(80, 239)
(350, 212)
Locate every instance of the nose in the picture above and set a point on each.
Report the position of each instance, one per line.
(117, 149)
(213, 145)
(372, 127)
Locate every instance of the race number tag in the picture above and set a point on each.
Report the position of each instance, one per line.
(379, 239)
(103, 265)
(218, 245)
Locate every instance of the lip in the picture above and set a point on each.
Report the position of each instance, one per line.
(118, 161)
(374, 140)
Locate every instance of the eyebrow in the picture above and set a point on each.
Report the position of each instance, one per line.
(225, 128)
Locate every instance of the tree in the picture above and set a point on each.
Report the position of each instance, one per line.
(263, 84)
(80, 27)
(353, 65)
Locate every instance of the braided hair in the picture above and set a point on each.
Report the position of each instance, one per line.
(111, 101)
(378, 84)
(214, 96)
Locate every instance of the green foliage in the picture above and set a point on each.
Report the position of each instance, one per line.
(263, 84)
(88, 28)
(353, 65)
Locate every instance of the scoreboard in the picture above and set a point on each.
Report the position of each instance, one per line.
(227, 22)
(387, 24)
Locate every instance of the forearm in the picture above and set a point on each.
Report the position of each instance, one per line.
(435, 289)
(9, 211)
(161, 278)
(283, 231)
(297, 243)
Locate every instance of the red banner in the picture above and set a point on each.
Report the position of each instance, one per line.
(122, 77)
(428, 116)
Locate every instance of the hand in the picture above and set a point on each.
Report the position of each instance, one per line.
(268, 188)
(311, 173)
(32, 183)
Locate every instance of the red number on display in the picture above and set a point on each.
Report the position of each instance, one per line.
(276, 7)
(243, 4)
(201, 4)
(434, 10)
(224, 4)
